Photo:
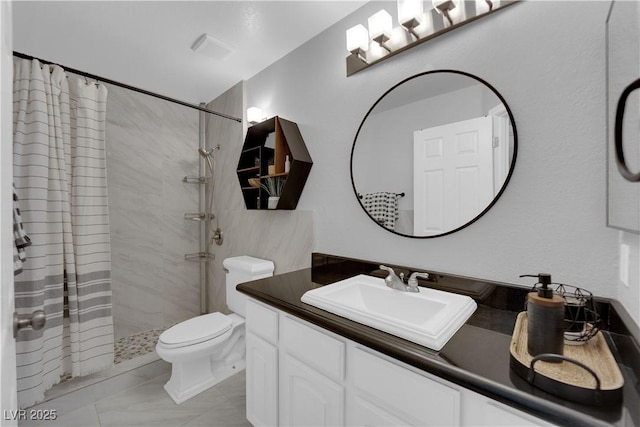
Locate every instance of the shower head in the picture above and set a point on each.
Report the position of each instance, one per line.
(208, 154)
(204, 153)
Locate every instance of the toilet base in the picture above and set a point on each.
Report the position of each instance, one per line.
(196, 368)
(183, 385)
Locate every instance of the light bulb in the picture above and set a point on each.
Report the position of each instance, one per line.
(380, 26)
(357, 39)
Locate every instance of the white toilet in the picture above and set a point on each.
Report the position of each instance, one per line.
(210, 348)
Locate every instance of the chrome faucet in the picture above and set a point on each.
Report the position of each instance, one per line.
(395, 282)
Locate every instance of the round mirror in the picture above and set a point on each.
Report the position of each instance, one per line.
(433, 154)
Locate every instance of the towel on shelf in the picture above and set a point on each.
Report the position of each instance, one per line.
(383, 207)
(20, 238)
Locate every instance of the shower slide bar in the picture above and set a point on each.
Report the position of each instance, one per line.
(199, 256)
(199, 216)
(126, 86)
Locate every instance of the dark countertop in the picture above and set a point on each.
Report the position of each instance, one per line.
(477, 356)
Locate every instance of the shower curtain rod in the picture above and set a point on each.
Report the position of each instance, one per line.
(126, 86)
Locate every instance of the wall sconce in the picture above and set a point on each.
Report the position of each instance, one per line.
(358, 41)
(380, 28)
(255, 115)
(411, 15)
(443, 7)
(484, 6)
(382, 41)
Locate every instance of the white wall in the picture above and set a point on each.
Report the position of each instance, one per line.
(8, 385)
(548, 61)
(284, 237)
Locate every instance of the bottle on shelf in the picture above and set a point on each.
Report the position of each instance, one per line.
(287, 164)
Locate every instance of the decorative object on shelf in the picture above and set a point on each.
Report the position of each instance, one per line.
(287, 164)
(382, 41)
(254, 182)
(273, 186)
(276, 143)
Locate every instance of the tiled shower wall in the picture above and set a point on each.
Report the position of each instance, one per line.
(151, 145)
(284, 237)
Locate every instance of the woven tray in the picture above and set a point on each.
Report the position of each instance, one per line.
(587, 374)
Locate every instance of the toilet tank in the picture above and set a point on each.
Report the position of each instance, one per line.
(242, 269)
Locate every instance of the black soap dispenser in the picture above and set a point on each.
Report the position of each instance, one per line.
(545, 319)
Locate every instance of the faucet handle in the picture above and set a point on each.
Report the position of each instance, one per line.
(388, 269)
(392, 280)
(413, 281)
(392, 275)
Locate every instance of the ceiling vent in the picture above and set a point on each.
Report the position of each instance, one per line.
(211, 47)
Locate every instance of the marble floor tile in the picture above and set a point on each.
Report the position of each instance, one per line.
(149, 405)
(222, 413)
(234, 387)
(120, 401)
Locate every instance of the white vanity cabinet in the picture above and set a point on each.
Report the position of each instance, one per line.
(300, 374)
(262, 364)
(311, 375)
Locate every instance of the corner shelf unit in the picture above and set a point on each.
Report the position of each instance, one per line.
(269, 143)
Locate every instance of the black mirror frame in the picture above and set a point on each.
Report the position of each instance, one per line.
(620, 160)
(497, 196)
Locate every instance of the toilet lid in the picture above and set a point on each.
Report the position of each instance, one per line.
(196, 330)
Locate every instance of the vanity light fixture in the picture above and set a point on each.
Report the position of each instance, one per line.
(255, 115)
(382, 41)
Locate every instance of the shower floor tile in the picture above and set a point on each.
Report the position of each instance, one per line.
(138, 344)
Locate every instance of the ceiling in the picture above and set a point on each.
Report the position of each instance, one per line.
(147, 44)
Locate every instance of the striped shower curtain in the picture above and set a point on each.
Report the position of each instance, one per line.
(60, 178)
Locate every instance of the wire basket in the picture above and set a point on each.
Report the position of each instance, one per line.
(581, 320)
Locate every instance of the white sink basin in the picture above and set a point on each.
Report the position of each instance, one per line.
(429, 317)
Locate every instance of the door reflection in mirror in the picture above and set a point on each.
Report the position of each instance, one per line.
(447, 140)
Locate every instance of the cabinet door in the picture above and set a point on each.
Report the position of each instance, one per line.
(414, 398)
(308, 398)
(480, 411)
(498, 415)
(362, 412)
(262, 382)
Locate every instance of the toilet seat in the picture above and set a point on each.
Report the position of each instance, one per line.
(196, 330)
